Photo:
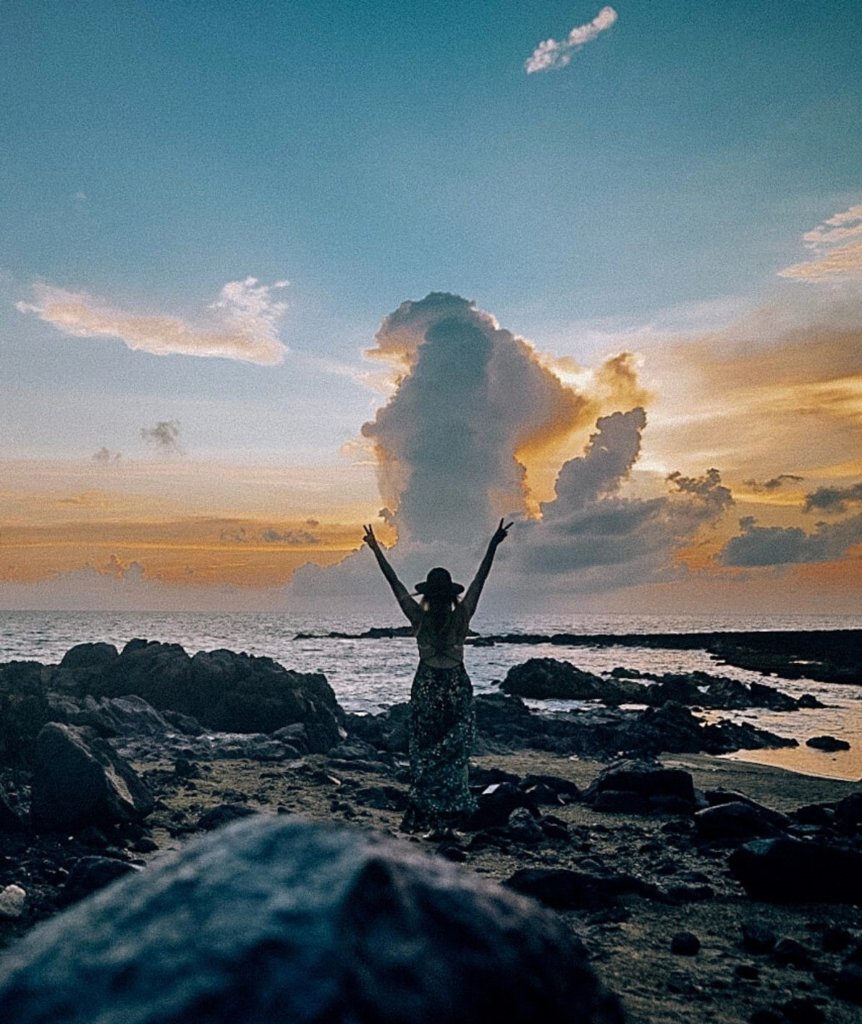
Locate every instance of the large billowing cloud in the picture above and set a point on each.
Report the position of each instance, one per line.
(454, 444)
(558, 53)
(241, 324)
(473, 408)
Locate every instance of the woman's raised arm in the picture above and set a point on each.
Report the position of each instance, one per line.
(471, 598)
(409, 606)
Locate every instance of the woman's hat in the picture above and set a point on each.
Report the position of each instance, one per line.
(438, 582)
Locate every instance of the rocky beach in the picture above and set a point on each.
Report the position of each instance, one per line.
(680, 885)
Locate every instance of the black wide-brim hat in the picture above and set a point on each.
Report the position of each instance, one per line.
(439, 582)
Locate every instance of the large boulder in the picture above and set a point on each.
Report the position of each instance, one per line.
(642, 787)
(541, 678)
(277, 919)
(736, 819)
(568, 889)
(92, 655)
(24, 710)
(789, 870)
(78, 781)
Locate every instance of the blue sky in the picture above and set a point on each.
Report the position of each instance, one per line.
(372, 153)
(375, 152)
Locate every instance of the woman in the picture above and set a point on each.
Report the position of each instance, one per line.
(442, 722)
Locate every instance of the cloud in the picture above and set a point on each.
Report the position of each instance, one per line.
(833, 499)
(591, 538)
(604, 466)
(164, 437)
(475, 409)
(836, 250)
(302, 538)
(771, 390)
(241, 324)
(104, 456)
(780, 545)
(455, 447)
(774, 483)
(552, 53)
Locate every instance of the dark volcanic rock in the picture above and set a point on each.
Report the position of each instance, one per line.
(496, 803)
(550, 789)
(567, 889)
(544, 678)
(788, 951)
(642, 787)
(78, 781)
(848, 983)
(96, 655)
(278, 919)
(89, 874)
(24, 710)
(228, 692)
(685, 944)
(223, 814)
(758, 937)
(736, 820)
(791, 871)
(827, 743)
(848, 812)
(10, 820)
(540, 678)
(505, 722)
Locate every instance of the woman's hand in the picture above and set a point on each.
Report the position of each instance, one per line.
(500, 534)
(370, 539)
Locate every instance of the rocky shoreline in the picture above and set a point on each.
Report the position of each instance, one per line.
(829, 656)
(700, 889)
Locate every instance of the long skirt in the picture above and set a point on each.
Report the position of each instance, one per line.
(442, 730)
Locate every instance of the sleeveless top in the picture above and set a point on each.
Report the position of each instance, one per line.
(448, 645)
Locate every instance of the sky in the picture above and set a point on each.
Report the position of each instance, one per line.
(271, 270)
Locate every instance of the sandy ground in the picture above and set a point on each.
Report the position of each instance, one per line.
(629, 945)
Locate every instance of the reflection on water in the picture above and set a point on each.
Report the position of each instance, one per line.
(368, 675)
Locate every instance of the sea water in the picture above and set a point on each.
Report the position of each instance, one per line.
(369, 675)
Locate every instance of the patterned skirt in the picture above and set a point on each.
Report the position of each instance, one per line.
(442, 729)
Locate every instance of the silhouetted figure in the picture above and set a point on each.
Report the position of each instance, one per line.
(442, 722)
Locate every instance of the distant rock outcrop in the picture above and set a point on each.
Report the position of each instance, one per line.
(550, 678)
(277, 918)
(222, 690)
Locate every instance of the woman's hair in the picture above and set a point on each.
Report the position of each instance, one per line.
(439, 607)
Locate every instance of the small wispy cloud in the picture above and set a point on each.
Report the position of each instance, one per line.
(557, 53)
(105, 457)
(773, 483)
(241, 324)
(836, 250)
(164, 437)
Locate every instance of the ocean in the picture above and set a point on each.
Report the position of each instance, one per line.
(371, 674)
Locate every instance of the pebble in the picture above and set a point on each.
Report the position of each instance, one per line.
(12, 900)
(685, 944)
(789, 951)
(757, 937)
